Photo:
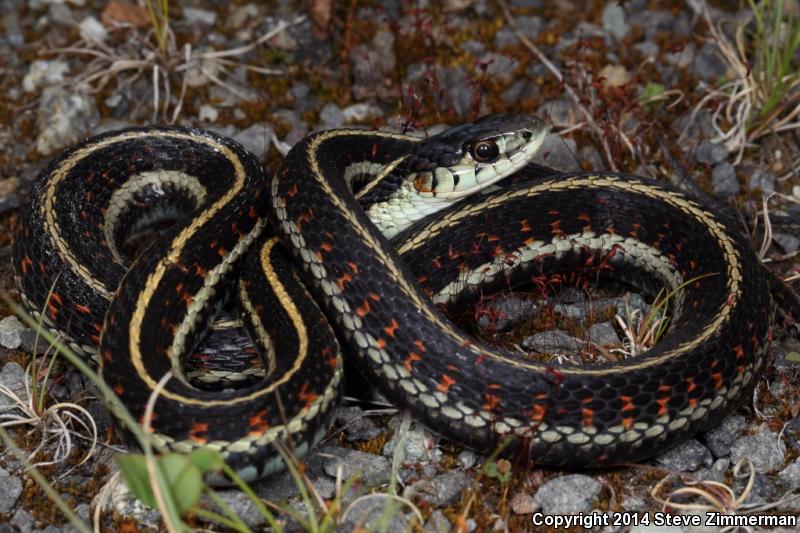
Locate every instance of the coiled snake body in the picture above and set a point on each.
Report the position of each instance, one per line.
(69, 262)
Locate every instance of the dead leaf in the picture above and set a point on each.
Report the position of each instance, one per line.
(118, 12)
(319, 11)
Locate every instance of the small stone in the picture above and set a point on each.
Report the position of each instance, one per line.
(63, 119)
(498, 67)
(22, 520)
(14, 377)
(366, 514)
(331, 116)
(764, 449)
(240, 503)
(502, 313)
(681, 58)
(43, 73)
(371, 469)
(207, 113)
(716, 472)
(529, 26)
(792, 433)
(437, 523)
(614, 20)
(203, 17)
(420, 446)
(686, 457)
(360, 113)
(615, 75)
(708, 63)
(788, 243)
(467, 459)
(763, 180)
(603, 334)
(555, 340)
(122, 502)
(572, 493)
(558, 152)
(522, 503)
(720, 438)
(711, 153)
(11, 332)
(441, 491)
(791, 475)
(724, 181)
(256, 138)
(357, 426)
(92, 30)
(10, 491)
(647, 49)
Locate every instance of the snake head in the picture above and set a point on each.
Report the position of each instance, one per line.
(467, 158)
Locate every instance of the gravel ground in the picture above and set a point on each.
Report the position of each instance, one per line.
(640, 69)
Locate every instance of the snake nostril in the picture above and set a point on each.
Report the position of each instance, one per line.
(526, 135)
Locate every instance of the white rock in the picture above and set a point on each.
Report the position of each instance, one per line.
(42, 73)
(93, 30)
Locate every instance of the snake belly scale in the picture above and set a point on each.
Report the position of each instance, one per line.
(382, 299)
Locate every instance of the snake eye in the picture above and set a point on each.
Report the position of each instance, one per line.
(483, 151)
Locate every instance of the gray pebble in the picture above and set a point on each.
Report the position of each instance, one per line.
(720, 438)
(504, 312)
(647, 48)
(241, 504)
(558, 152)
(724, 181)
(529, 26)
(367, 514)
(44, 73)
(572, 493)
(614, 20)
(716, 472)
(792, 433)
(763, 180)
(555, 340)
(437, 523)
(331, 116)
(419, 443)
(256, 138)
(371, 469)
(603, 334)
(10, 490)
(764, 449)
(202, 17)
(681, 58)
(440, 491)
(711, 153)
(708, 64)
(14, 377)
(686, 457)
(788, 243)
(791, 475)
(63, 118)
(522, 503)
(22, 520)
(357, 426)
(11, 332)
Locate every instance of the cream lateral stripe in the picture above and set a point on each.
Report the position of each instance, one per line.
(691, 209)
(260, 330)
(291, 310)
(48, 209)
(121, 197)
(378, 178)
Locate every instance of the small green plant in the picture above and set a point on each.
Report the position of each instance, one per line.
(499, 470)
(159, 18)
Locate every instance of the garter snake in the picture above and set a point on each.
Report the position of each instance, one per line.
(383, 299)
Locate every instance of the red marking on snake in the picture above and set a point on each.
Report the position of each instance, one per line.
(412, 358)
(119, 389)
(293, 191)
(391, 328)
(353, 267)
(445, 383)
(690, 385)
(627, 403)
(26, 262)
(326, 246)
(363, 310)
(491, 403)
(258, 423)
(554, 212)
(587, 416)
(196, 432)
(419, 344)
(525, 228)
(739, 351)
(344, 278)
(82, 309)
(380, 343)
(436, 263)
(717, 377)
(305, 396)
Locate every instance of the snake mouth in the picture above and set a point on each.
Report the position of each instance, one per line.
(500, 146)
